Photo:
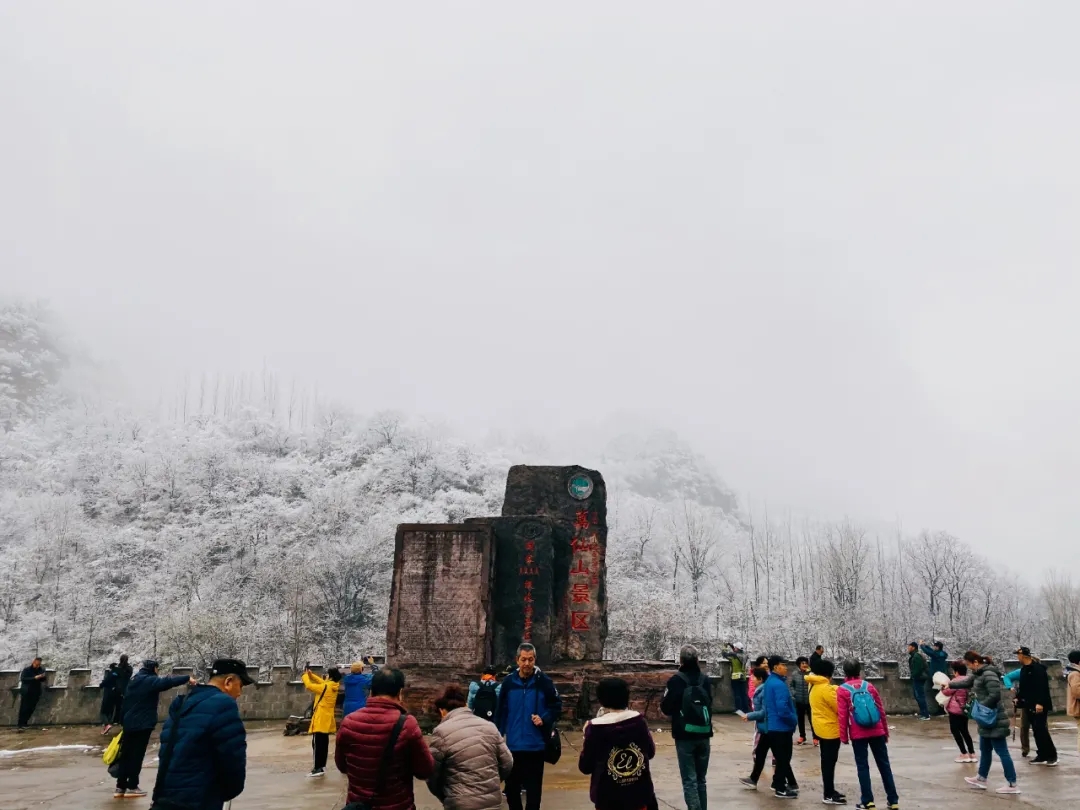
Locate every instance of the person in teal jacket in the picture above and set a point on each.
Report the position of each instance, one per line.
(939, 662)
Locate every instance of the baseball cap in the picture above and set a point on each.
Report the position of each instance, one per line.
(776, 659)
(231, 666)
(1024, 651)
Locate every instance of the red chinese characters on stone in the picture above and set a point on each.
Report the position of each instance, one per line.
(579, 620)
(579, 594)
(589, 543)
(579, 568)
(581, 520)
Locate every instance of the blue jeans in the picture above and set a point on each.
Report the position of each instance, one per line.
(987, 749)
(693, 756)
(880, 749)
(919, 688)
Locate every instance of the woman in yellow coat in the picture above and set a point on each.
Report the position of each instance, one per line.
(323, 721)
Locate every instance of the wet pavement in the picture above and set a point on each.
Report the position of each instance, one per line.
(922, 756)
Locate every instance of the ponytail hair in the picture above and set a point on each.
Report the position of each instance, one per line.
(973, 657)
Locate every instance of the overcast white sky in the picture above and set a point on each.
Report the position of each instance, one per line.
(833, 244)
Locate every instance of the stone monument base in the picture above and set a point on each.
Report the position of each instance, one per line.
(576, 683)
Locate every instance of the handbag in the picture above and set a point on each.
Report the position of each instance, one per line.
(983, 715)
(380, 781)
(113, 751)
(166, 760)
(552, 746)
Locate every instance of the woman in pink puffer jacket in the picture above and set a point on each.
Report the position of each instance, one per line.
(958, 719)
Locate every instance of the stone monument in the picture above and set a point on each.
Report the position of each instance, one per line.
(532, 565)
(576, 499)
(465, 595)
(440, 598)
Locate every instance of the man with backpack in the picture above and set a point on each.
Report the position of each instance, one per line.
(781, 721)
(863, 724)
(688, 702)
(484, 695)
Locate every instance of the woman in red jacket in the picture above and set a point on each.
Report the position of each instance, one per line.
(362, 743)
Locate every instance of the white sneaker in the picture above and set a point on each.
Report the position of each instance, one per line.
(1009, 789)
(963, 758)
(316, 773)
(976, 782)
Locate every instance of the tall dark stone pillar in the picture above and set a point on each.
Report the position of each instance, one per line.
(532, 555)
(576, 500)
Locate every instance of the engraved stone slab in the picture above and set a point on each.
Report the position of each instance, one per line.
(440, 600)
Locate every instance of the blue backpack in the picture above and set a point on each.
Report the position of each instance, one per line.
(863, 706)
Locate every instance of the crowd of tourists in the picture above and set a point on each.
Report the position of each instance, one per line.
(495, 738)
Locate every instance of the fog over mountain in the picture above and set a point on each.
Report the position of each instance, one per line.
(814, 263)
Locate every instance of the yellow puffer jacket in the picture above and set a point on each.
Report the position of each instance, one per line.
(823, 711)
(325, 691)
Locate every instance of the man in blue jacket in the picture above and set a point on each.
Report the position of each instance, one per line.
(529, 705)
(782, 720)
(140, 717)
(203, 760)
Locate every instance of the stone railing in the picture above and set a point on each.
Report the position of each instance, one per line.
(278, 696)
(79, 702)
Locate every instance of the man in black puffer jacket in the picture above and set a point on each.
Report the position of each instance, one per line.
(140, 717)
(203, 761)
(1034, 695)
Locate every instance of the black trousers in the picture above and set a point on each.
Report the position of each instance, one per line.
(132, 750)
(830, 752)
(803, 712)
(738, 695)
(782, 746)
(27, 705)
(1044, 743)
(958, 725)
(320, 744)
(761, 753)
(528, 775)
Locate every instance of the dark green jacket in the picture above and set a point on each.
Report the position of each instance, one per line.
(918, 665)
(985, 686)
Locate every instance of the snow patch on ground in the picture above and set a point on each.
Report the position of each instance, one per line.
(46, 749)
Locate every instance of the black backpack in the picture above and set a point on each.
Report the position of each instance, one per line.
(486, 701)
(696, 713)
